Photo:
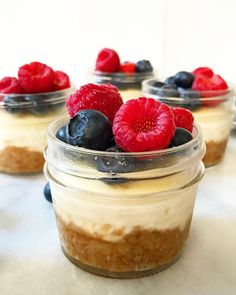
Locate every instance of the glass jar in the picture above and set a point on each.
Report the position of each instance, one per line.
(128, 84)
(212, 110)
(123, 215)
(23, 121)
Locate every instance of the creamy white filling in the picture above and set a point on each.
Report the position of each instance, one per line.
(25, 130)
(130, 94)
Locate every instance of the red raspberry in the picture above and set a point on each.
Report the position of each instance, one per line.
(202, 83)
(218, 83)
(36, 77)
(183, 118)
(10, 85)
(143, 124)
(108, 61)
(104, 98)
(203, 71)
(61, 80)
(127, 67)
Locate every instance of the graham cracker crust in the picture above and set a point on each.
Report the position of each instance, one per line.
(214, 152)
(139, 253)
(19, 160)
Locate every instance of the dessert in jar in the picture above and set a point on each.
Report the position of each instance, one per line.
(209, 98)
(127, 76)
(123, 180)
(27, 105)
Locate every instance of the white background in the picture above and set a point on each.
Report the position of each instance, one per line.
(67, 34)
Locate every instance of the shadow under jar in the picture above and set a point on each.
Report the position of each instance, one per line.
(123, 215)
(212, 110)
(129, 84)
(23, 122)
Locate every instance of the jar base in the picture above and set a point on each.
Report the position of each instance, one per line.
(119, 275)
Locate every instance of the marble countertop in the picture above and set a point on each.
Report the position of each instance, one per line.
(31, 261)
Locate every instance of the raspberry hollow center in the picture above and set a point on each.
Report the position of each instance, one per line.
(144, 126)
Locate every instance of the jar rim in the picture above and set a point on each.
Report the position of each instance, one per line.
(119, 77)
(57, 124)
(207, 95)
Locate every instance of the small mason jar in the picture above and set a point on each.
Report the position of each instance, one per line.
(212, 110)
(129, 84)
(23, 121)
(123, 215)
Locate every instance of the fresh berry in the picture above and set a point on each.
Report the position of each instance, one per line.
(168, 90)
(47, 193)
(143, 66)
(127, 67)
(60, 81)
(170, 81)
(108, 61)
(184, 79)
(36, 77)
(182, 136)
(156, 83)
(10, 85)
(218, 83)
(90, 129)
(183, 118)
(104, 98)
(62, 134)
(191, 99)
(203, 71)
(143, 124)
(202, 83)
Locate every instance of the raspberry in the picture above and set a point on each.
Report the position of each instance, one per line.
(36, 77)
(218, 83)
(203, 71)
(10, 85)
(202, 83)
(183, 118)
(104, 98)
(143, 124)
(108, 61)
(61, 80)
(127, 67)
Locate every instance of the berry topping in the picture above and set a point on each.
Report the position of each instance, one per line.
(104, 98)
(143, 124)
(203, 71)
(218, 83)
(170, 80)
(182, 136)
(108, 61)
(143, 66)
(62, 134)
(203, 83)
(90, 129)
(184, 79)
(156, 83)
(60, 81)
(127, 67)
(10, 85)
(169, 90)
(36, 77)
(191, 97)
(183, 118)
(47, 193)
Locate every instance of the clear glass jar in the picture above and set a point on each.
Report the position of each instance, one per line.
(212, 111)
(23, 121)
(123, 215)
(129, 85)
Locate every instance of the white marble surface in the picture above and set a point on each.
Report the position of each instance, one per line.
(31, 262)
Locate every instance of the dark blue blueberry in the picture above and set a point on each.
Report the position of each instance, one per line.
(12, 103)
(191, 97)
(168, 91)
(170, 80)
(182, 136)
(62, 134)
(90, 129)
(156, 83)
(184, 79)
(143, 66)
(47, 193)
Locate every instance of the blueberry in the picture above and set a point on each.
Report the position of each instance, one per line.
(12, 103)
(156, 83)
(170, 80)
(181, 136)
(184, 79)
(192, 98)
(47, 193)
(62, 134)
(143, 66)
(90, 129)
(169, 91)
